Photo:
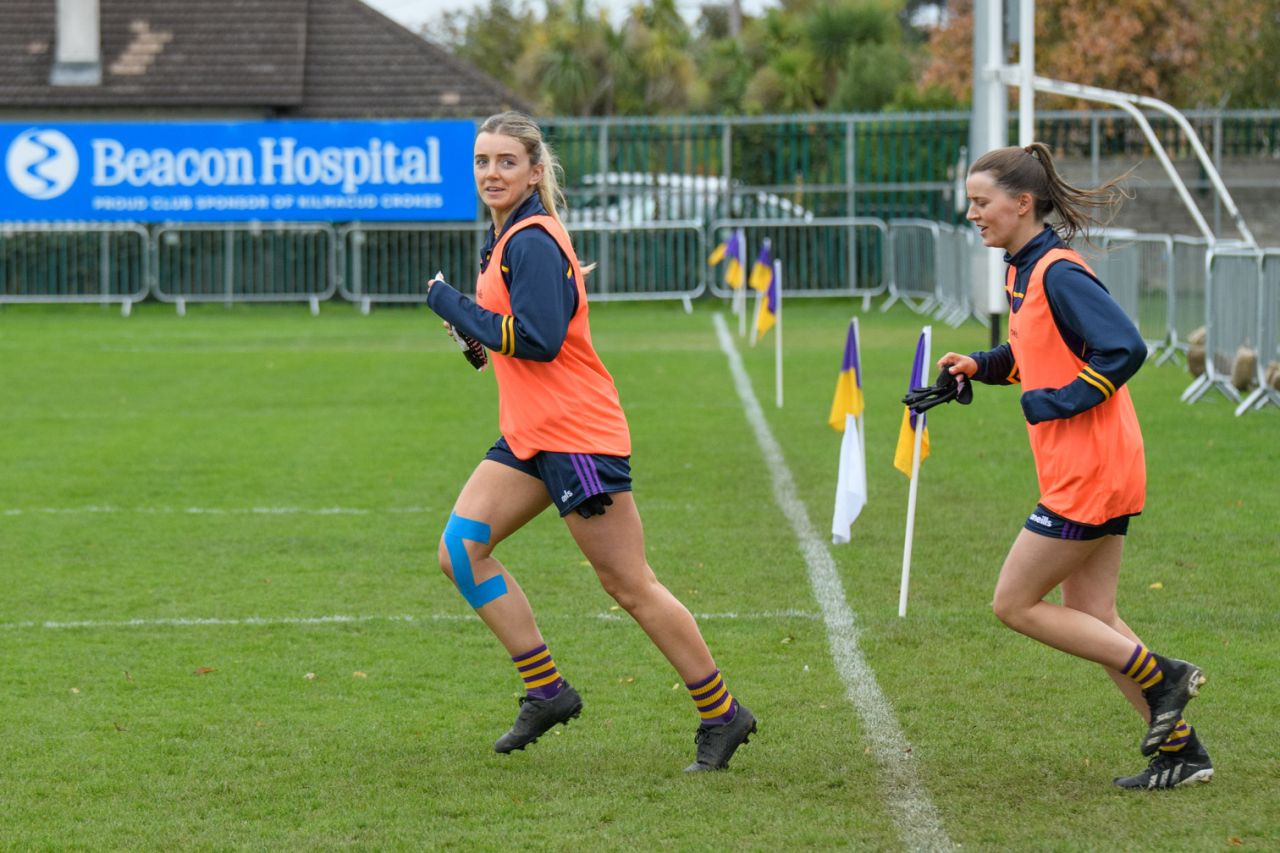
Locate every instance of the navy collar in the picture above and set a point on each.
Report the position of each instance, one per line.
(1034, 248)
(531, 206)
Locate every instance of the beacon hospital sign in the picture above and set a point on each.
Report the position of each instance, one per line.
(237, 171)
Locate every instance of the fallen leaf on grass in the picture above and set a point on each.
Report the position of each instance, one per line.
(310, 676)
(1156, 585)
(203, 670)
(127, 676)
(1235, 841)
(119, 727)
(359, 674)
(788, 640)
(75, 689)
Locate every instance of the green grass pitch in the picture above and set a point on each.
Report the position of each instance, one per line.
(222, 626)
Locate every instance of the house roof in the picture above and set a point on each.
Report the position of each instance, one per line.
(287, 58)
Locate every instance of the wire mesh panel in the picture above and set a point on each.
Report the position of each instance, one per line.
(828, 256)
(660, 260)
(73, 262)
(1189, 279)
(394, 262)
(1231, 318)
(277, 262)
(955, 285)
(1268, 336)
(914, 247)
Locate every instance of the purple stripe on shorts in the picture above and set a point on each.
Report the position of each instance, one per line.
(585, 469)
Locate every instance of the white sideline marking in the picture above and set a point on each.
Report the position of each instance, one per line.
(905, 798)
(202, 510)
(340, 619)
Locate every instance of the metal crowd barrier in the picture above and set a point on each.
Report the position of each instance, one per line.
(74, 262)
(1190, 274)
(1138, 270)
(1267, 372)
(393, 262)
(650, 260)
(955, 283)
(822, 256)
(914, 247)
(1231, 314)
(245, 262)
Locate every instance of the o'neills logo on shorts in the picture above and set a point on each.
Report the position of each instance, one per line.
(1042, 520)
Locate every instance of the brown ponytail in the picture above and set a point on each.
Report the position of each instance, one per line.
(1031, 170)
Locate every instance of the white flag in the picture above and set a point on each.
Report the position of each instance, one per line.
(851, 482)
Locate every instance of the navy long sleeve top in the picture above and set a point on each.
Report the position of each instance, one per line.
(1091, 324)
(540, 281)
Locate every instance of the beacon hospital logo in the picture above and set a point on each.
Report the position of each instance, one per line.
(42, 163)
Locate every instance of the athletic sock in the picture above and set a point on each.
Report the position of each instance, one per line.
(716, 705)
(1143, 667)
(541, 678)
(1178, 738)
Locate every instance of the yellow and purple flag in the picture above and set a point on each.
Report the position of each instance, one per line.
(762, 269)
(902, 456)
(767, 312)
(848, 399)
(731, 250)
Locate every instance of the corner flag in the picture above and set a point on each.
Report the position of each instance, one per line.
(903, 456)
(732, 250)
(846, 415)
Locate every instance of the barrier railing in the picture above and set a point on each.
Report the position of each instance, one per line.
(74, 262)
(825, 256)
(651, 260)
(1267, 369)
(1189, 276)
(1138, 270)
(245, 262)
(1231, 309)
(393, 262)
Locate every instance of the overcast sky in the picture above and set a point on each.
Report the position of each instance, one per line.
(414, 13)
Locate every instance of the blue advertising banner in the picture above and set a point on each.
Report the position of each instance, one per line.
(237, 171)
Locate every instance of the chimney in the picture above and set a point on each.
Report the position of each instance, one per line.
(78, 58)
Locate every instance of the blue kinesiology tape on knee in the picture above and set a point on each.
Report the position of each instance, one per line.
(457, 532)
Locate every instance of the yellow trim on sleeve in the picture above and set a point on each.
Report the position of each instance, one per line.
(1104, 380)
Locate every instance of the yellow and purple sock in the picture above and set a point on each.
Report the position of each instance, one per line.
(716, 705)
(1143, 668)
(1178, 738)
(541, 678)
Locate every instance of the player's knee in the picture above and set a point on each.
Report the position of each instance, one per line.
(442, 556)
(1008, 610)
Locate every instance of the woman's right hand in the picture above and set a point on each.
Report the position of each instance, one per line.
(956, 364)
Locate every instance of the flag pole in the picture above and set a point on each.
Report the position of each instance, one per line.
(777, 339)
(741, 295)
(857, 354)
(911, 494)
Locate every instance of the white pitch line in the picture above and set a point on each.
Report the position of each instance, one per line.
(203, 510)
(341, 619)
(906, 799)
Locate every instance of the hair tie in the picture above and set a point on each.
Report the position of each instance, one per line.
(1031, 149)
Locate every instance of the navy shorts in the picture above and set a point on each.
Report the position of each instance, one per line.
(570, 478)
(1046, 522)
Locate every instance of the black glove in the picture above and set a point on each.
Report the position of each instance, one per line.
(948, 387)
(594, 505)
(471, 348)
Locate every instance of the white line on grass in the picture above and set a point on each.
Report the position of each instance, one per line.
(340, 619)
(906, 799)
(206, 510)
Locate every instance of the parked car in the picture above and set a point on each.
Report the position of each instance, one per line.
(636, 197)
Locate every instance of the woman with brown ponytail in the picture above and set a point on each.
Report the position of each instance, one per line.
(1072, 349)
(564, 441)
